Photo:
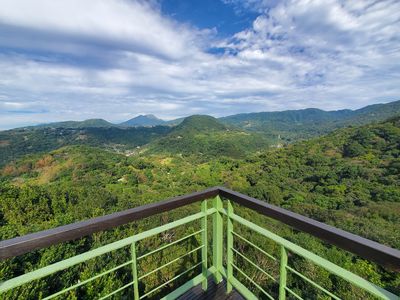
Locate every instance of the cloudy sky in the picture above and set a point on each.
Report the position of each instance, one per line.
(114, 59)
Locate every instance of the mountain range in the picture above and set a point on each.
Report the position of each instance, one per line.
(278, 121)
(292, 125)
(232, 136)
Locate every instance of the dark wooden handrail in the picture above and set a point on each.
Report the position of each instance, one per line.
(27, 243)
(363, 247)
(356, 244)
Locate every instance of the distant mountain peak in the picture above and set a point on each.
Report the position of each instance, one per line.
(143, 120)
(151, 116)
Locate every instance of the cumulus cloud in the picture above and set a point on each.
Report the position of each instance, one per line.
(117, 58)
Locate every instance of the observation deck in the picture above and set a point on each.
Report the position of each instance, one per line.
(216, 250)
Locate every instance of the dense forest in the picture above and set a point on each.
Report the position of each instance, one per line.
(203, 137)
(19, 142)
(349, 178)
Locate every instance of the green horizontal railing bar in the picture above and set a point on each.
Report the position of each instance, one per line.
(255, 246)
(117, 291)
(170, 262)
(242, 289)
(188, 285)
(254, 265)
(172, 279)
(87, 280)
(293, 293)
(313, 283)
(327, 265)
(252, 281)
(169, 226)
(62, 265)
(69, 262)
(185, 287)
(168, 245)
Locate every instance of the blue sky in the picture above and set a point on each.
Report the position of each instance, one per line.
(114, 59)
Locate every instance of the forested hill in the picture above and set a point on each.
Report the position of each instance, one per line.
(19, 142)
(349, 178)
(294, 125)
(205, 136)
(77, 124)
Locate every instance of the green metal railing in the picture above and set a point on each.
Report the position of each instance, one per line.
(285, 247)
(223, 252)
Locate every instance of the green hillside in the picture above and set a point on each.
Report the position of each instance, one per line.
(349, 178)
(19, 142)
(205, 136)
(295, 125)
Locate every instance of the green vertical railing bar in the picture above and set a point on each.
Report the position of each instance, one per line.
(229, 246)
(135, 272)
(282, 276)
(217, 239)
(204, 267)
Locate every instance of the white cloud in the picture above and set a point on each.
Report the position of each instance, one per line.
(121, 24)
(83, 59)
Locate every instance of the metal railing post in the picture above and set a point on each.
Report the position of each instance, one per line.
(204, 243)
(134, 272)
(283, 273)
(217, 239)
(229, 246)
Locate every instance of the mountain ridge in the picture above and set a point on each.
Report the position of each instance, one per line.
(252, 120)
(224, 136)
(75, 124)
(295, 125)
